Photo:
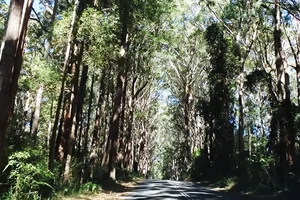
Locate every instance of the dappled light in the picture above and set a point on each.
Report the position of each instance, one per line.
(149, 99)
(174, 190)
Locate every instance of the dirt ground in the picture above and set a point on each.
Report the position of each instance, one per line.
(124, 187)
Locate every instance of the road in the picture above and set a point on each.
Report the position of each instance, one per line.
(175, 190)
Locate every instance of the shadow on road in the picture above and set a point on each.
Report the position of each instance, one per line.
(174, 190)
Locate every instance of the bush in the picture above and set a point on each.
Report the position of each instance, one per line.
(29, 177)
(90, 187)
(259, 173)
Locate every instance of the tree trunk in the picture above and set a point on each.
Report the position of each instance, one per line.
(10, 63)
(27, 111)
(187, 133)
(50, 125)
(36, 115)
(249, 142)
(70, 125)
(286, 130)
(53, 137)
(81, 96)
(298, 82)
(95, 138)
(114, 126)
(84, 172)
(78, 9)
(122, 119)
(241, 116)
(107, 121)
(128, 145)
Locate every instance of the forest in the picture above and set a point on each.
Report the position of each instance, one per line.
(102, 90)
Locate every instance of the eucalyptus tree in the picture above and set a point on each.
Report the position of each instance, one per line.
(240, 22)
(284, 117)
(125, 14)
(134, 16)
(10, 62)
(83, 59)
(185, 74)
(276, 61)
(184, 61)
(291, 32)
(66, 137)
(221, 100)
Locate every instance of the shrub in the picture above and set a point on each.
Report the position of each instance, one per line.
(29, 177)
(259, 172)
(90, 187)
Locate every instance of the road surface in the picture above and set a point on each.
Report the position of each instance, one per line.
(175, 190)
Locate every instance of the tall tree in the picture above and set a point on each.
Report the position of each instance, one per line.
(10, 62)
(77, 12)
(284, 115)
(124, 9)
(220, 101)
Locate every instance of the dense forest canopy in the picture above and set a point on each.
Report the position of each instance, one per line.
(92, 90)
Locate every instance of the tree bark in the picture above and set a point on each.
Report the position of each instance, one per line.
(84, 172)
(187, 133)
(128, 145)
(122, 118)
(298, 82)
(50, 125)
(241, 116)
(81, 96)
(107, 121)
(114, 125)
(70, 128)
(78, 9)
(286, 130)
(10, 63)
(95, 137)
(36, 115)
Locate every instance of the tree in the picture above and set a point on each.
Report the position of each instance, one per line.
(284, 112)
(10, 63)
(125, 7)
(222, 120)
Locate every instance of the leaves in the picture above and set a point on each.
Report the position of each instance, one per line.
(28, 173)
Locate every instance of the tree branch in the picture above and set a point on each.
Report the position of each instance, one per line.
(139, 90)
(218, 18)
(291, 46)
(38, 19)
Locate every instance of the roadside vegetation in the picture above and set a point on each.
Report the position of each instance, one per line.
(94, 93)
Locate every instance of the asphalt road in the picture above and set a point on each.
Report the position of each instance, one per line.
(175, 190)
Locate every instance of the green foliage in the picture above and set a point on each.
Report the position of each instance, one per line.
(259, 173)
(225, 182)
(90, 187)
(168, 49)
(197, 153)
(3, 15)
(40, 70)
(221, 119)
(256, 78)
(85, 188)
(152, 10)
(97, 29)
(29, 176)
